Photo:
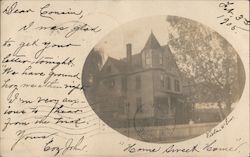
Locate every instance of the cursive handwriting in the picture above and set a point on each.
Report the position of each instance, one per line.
(232, 20)
(49, 44)
(39, 69)
(23, 136)
(172, 149)
(46, 12)
(212, 147)
(12, 9)
(9, 122)
(220, 127)
(132, 148)
(68, 28)
(70, 145)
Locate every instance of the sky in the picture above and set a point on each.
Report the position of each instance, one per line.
(135, 32)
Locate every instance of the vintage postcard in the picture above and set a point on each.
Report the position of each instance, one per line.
(125, 78)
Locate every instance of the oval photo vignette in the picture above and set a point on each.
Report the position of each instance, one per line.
(163, 79)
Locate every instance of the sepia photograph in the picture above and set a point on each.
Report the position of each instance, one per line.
(163, 79)
(124, 78)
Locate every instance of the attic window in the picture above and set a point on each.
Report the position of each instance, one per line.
(148, 59)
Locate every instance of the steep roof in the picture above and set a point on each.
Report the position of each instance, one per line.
(120, 65)
(152, 42)
(168, 51)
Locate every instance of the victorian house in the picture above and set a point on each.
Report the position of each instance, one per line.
(145, 86)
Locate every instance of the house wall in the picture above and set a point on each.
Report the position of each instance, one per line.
(110, 100)
(145, 92)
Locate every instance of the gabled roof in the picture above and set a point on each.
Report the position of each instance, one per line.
(152, 42)
(171, 57)
(168, 51)
(121, 66)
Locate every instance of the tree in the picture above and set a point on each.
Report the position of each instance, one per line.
(209, 60)
(91, 68)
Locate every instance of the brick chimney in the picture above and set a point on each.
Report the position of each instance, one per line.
(129, 53)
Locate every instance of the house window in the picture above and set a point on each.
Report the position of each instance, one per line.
(148, 58)
(162, 80)
(160, 58)
(168, 82)
(139, 105)
(177, 85)
(138, 82)
(124, 84)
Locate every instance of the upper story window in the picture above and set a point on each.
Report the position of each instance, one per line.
(168, 83)
(138, 82)
(177, 85)
(139, 105)
(148, 58)
(162, 80)
(160, 58)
